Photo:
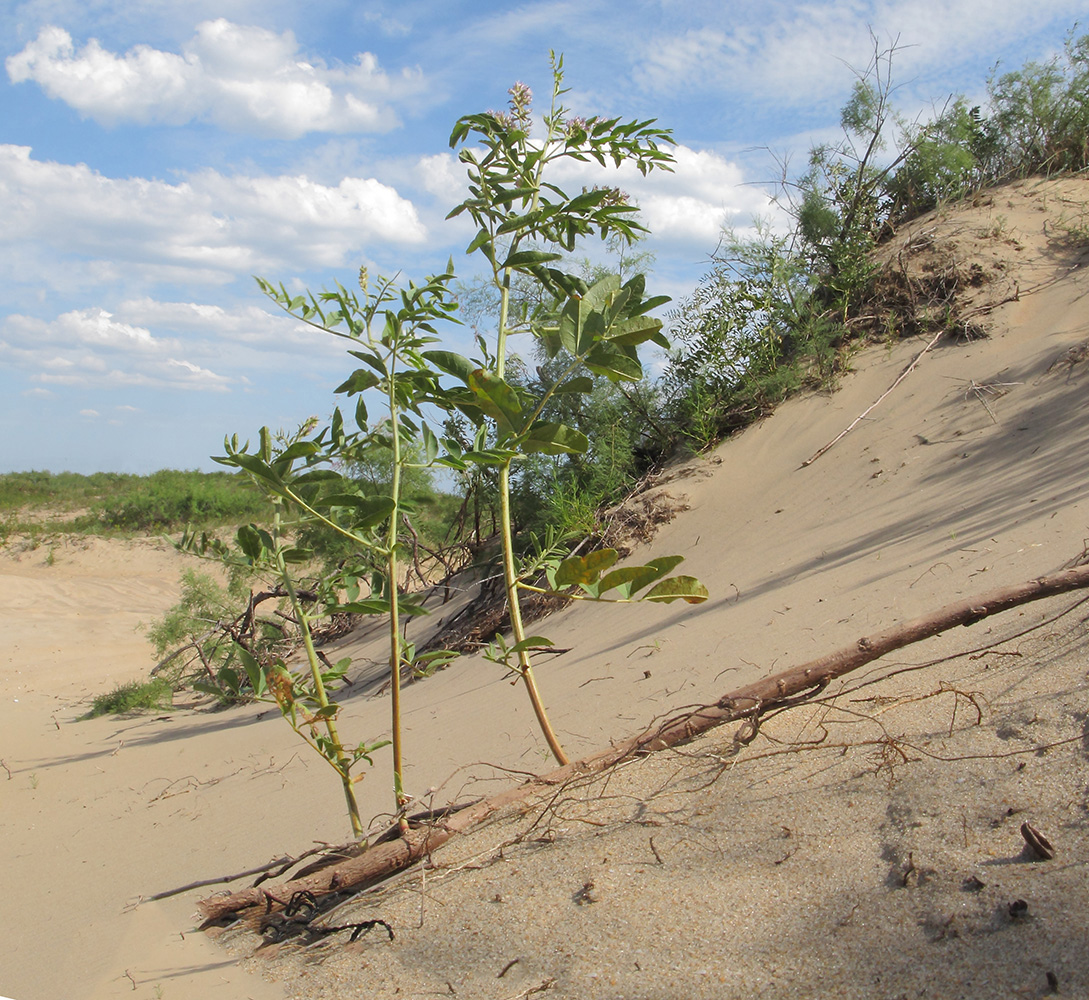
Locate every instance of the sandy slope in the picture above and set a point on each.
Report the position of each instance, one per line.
(818, 873)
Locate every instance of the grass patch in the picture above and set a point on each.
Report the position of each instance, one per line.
(108, 501)
(134, 696)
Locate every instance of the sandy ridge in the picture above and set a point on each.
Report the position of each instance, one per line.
(778, 872)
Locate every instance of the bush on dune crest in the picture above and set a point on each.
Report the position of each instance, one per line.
(777, 310)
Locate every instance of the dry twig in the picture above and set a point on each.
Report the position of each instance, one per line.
(865, 413)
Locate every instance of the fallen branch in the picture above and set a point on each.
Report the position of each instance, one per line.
(275, 863)
(865, 413)
(748, 703)
(280, 865)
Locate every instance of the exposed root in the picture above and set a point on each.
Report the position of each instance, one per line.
(790, 687)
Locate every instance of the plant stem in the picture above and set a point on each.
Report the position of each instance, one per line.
(504, 312)
(510, 578)
(510, 575)
(394, 618)
(342, 764)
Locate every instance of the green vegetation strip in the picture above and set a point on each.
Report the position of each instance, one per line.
(108, 501)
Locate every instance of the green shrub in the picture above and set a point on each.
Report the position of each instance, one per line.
(561, 494)
(951, 156)
(134, 696)
(751, 333)
(1042, 113)
(203, 603)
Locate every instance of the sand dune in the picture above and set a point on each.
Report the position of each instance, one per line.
(783, 871)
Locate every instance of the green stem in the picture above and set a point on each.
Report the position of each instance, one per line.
(510, 577)
(394, 617)
(573, 597)
(342, 764)
(504, 312)
(510, 574)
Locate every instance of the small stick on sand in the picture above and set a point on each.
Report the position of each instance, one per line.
(541, 987)
(862, 416)
(280, 863)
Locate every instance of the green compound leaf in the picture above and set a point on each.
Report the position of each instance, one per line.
(551, 438)
(614, 364)
(256, 467)
(583, 570)
(452, 364)
(374, 606)
(653, 570)
(619, 577)
(527, 258)
(359, 381)
(579, 384)
(636, 331)
(685, 588)
(531, 642)
(498, 400)
(431, 444)
(254, 671)
(253, 541)
(369, 511)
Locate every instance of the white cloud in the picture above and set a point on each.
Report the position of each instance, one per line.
(197, 377)
(245, 327)
(166, 345)
(89, 413)
(209, 227)
(799, 54)
(239, 77)
(392, 26)
(512, 22)
(704, 193)
(90, 347)
(97, 328)
(443, 176)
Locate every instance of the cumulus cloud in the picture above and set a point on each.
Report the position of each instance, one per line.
(443, 176)
(704, 193)
(238, 77)
(166, 345)
(211, 226)
(92, 347)
(245, 327)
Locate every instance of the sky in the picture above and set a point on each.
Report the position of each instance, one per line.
(155, 156)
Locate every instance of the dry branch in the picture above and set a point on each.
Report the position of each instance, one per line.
(862, 416)
(748, 703)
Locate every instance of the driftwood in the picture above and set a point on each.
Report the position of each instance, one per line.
(748, 703)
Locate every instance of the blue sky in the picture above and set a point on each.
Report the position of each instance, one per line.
(156, 155)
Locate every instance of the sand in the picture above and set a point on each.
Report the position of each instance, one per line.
(783, 870)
